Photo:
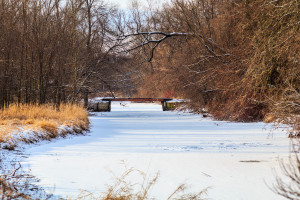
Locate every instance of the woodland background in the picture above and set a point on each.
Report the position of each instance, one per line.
(236, 59)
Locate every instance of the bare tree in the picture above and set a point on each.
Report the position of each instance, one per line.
(289, 186)
(54, 51)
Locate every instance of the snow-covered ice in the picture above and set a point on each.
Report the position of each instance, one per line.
(236, 160)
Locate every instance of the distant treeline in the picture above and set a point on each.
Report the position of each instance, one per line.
(56, 50)
(236, 59)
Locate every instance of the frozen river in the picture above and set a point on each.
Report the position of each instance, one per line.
(236, 160)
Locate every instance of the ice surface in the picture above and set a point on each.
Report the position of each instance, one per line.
(235, 159)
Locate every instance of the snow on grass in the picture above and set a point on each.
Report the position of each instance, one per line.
(235, 160)
(25, 135)
(30, 123)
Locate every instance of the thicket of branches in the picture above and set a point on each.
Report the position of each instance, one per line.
(55, 50)
(288, 184)
(237, 59)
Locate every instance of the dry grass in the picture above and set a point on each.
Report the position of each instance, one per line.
(46, 121)
(288, 182)
(15, 183)
(124, 189)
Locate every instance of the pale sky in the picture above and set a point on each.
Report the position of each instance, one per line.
(124, 4)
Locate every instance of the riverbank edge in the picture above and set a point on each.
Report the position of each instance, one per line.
(15, 183)
(26, 135)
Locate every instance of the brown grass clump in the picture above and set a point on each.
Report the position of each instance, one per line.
(15, 183)
(47, 120)
(4, 130)
(49, 126)
(124, 189)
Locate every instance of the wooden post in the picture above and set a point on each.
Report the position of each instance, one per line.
(95, 107)
(109, 106)
(86, 97)
(163, 104)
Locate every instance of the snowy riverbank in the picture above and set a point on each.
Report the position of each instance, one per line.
(236, 160)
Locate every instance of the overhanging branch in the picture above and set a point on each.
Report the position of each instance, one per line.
(149, 40)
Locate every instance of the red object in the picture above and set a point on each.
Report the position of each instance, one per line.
(169, 94)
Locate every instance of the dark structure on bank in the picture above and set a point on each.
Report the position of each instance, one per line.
(104, 105)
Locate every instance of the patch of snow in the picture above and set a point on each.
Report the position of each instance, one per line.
(183, 147)
(177, 101)
(25, 135)
(99, 99)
